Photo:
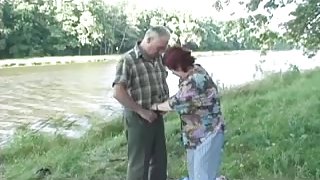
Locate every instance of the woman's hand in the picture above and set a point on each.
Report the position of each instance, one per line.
(154, 107)
(161, 107)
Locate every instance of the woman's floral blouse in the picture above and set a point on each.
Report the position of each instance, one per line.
(198, 104)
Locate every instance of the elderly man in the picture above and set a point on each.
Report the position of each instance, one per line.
(140, 82)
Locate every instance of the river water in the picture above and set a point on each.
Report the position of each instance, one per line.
(40, 96)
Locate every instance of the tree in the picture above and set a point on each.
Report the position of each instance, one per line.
(184, 29)
(303, 30)
(27, 27)
(2, 29)
(91, 27)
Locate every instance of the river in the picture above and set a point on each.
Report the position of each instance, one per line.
(37, 96)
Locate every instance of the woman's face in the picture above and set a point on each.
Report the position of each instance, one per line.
(178, 72)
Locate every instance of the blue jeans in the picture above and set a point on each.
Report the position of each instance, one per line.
(204, 161)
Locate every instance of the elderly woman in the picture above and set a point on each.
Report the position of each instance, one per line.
(198, 104)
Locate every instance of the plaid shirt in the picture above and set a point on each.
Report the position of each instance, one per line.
(145, 79)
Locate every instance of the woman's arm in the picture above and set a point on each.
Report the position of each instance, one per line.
(162, 106)
(180, 102)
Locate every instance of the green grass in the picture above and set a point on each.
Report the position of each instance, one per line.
(272, 133)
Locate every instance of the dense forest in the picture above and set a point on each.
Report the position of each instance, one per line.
(59, 27)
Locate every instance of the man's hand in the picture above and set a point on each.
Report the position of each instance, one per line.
(148, 115)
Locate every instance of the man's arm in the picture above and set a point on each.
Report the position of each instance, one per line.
(120, 93)
(120, 84)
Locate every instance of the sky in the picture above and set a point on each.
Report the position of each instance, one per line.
(198, 8)
(203, 8)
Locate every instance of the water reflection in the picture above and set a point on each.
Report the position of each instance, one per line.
(31, 95)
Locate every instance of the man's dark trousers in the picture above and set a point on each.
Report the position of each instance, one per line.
(147, 154)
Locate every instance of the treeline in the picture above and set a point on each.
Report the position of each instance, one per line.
(59, 27)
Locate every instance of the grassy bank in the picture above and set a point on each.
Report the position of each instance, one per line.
(272, 133)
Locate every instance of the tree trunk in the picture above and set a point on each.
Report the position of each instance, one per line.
(100, 48)
(105, 45)
(109, 48)
(122, 41)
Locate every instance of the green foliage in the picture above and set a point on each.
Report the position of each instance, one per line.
(43, 28)
(302, 31)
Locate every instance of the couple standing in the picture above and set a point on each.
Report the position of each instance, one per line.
(140, 86)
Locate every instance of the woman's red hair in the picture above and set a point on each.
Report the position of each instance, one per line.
(177, 57)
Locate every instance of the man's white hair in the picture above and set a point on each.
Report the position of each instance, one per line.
(157, 31)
